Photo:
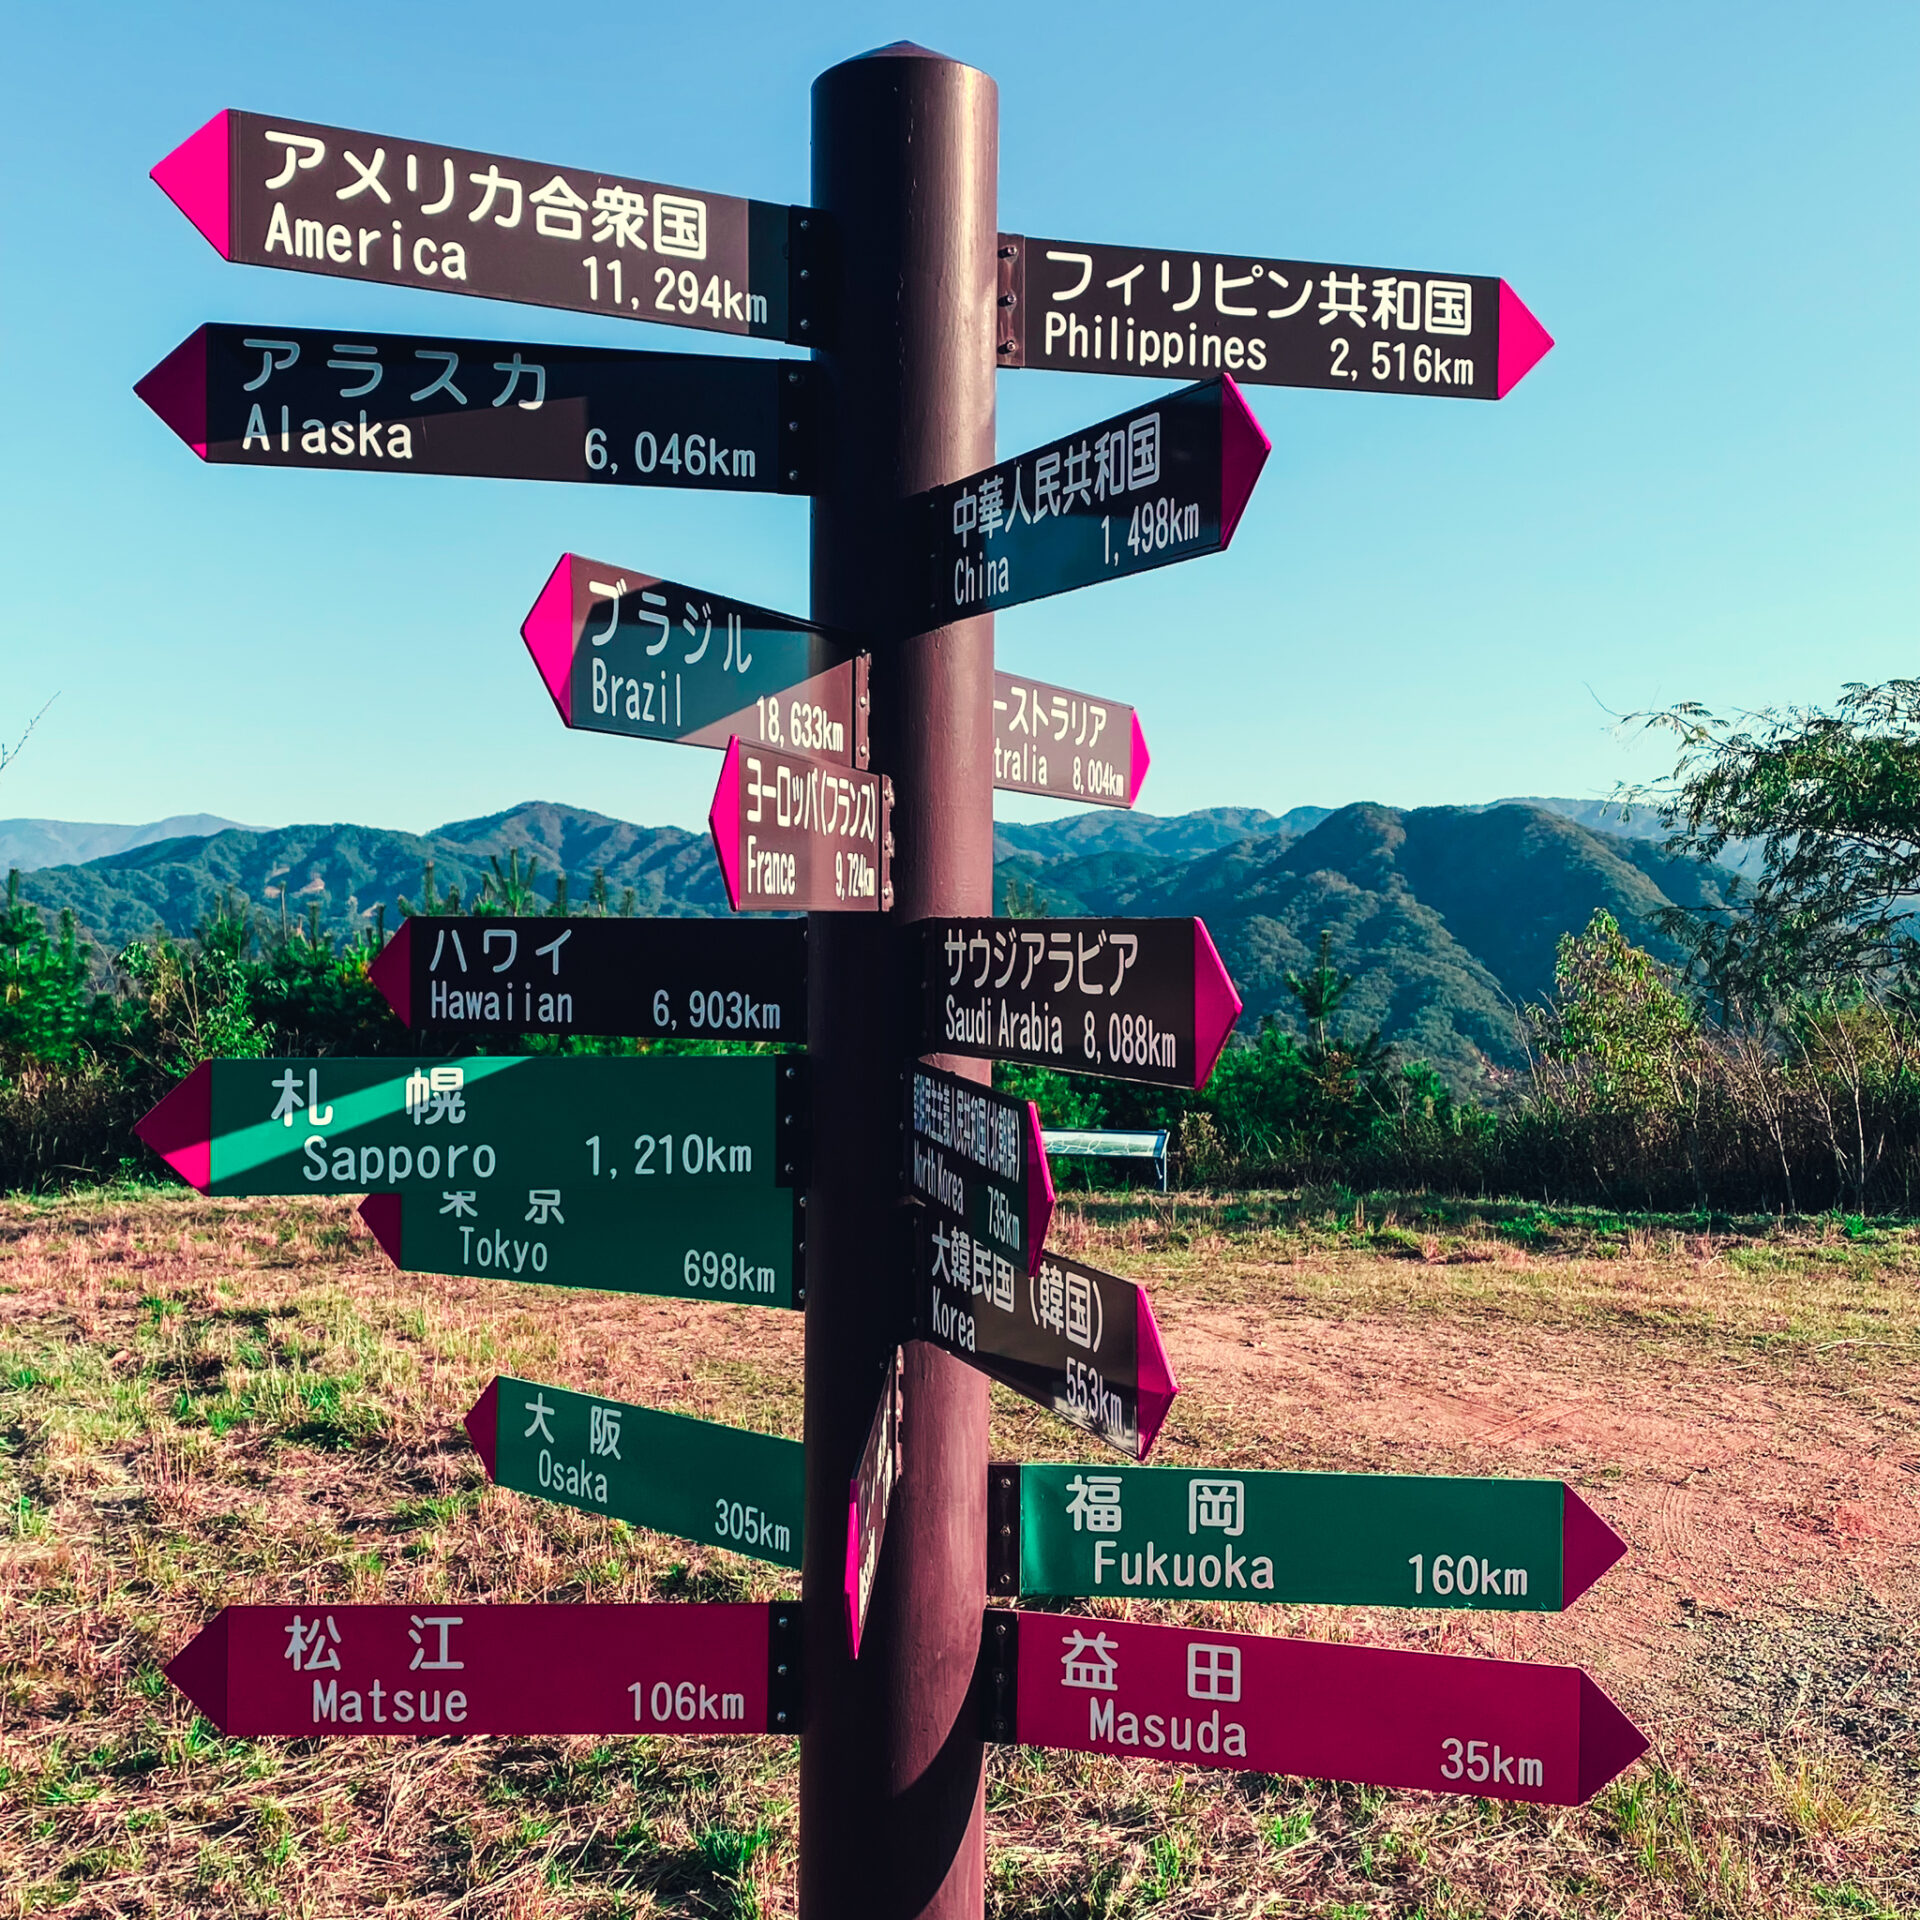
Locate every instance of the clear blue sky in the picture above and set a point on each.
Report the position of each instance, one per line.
(1708, 490)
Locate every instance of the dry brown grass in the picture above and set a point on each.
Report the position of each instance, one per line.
(206, 1402)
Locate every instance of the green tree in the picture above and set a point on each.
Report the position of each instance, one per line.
(1617, 1016)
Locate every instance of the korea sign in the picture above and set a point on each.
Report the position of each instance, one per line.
(270, 396)
(1286, 323)
(270, 192)
(1167, 481)
(796, 835)
(626, 652)
(1066, 745)
(976, 1159)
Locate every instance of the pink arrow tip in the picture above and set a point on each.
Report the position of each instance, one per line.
(852, 1581)
(195, 176)
(177, 390)
(483, 1424)
(1215, 1004)
(1524, 342)
(1243, 452)
(392, 972)
(1588, 1547)
(1609, 1742)
(1154, 1371)
(1039, 1190)
(723, 821)
(180, 1128)
(1142, 760)
(382, 1213)
(199, 1670)
(548, 632)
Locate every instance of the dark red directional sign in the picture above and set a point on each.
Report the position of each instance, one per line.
(976, 1160)
(273, 396)
(1332, 1711)
(268, 192)
(1166, 481)
(1130, 999)
(1081, 1343)
(643, 979)
(1066, 745)
(797, 835)
(869, 1496)
(627, 652)
(1084, 308)
(436, 1668)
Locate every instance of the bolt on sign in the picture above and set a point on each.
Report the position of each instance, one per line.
(721, 1486)
(1127, 999)
(869, 1497)
(1081, 1343)
(796, 835)
(646, 979)
(975, 1160)
(269, 192)
(638, 1175)
(1066, 745)
(1298, 1539)
(1082, 308)
(270, 396)
(625, 652)
(1496, 1728)
(1167, 481)
(428, 1670)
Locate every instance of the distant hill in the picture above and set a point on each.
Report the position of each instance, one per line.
(27, 844)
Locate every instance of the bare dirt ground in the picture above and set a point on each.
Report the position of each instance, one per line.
(204, 1403)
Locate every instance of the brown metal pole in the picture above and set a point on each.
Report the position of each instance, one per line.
(904, 186)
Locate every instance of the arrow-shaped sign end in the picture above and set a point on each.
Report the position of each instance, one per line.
(1609, 1741)
(1142, 760)
(194, 176)
(548, 632)
(1244, 447)
(1524, 342)
(392, 972)
(199, 1670)
(382, 1213)
(1588, 1547)
(180, 1128)
(1216, 1006)
(177, 390)
(483, 1424)
(1157, 1386)
(723, 821)
(1039, 1191)
(852, 1579)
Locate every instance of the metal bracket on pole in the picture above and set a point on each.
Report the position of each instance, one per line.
(886, 844)
(785, 1701)
(793, 1123)
(1003, 1532)
(998, 1674)
(862, 709)
(1010, 311)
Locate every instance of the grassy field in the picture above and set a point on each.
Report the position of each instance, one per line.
(209, 1402)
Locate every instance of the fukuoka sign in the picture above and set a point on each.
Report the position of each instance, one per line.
(271, 396)
(796, 835)
(626, 652)
(1313, 1539)
(721, 1486)
(270, 192)
(1129, 999)
(1084, 308)
(1081, 1343)
(431, 1670)
(1329, 1711)
(643, 978)
(1066, 745)
(1166, 482)
(976, 1160)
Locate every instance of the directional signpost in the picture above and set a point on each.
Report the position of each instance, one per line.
(650, 979)
(976, 1162)
(869, 1496)
(626, 652)
(268, 396)
(800, 835)
(1066, 745)
(1302, 1539)
(1127, 999)
(721, 1486)
(431, 1670)
(1200, 1698)
(1282, 323)
(1167, 481)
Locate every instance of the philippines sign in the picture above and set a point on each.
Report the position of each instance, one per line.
(626, 652)
(722, 1486)
(1066, 745)
(975, 1159)
(643, 979)
(271, 396)
(270, 192)
(1129, 999)
(1081, 1343)
(1165, 482)
(1302, 1539)
(1084, 308)
(430, 1669)
(795, 835)
(1329, 1711)
(869, 1498)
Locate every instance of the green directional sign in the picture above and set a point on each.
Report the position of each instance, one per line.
(1327, 1539)
(722, 1486)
